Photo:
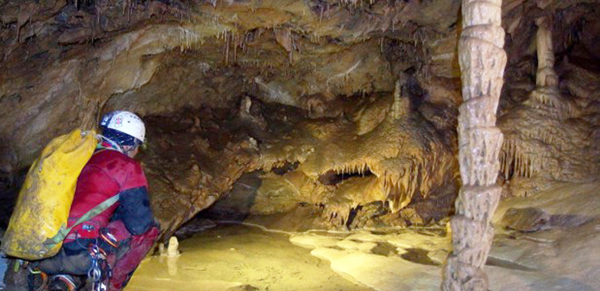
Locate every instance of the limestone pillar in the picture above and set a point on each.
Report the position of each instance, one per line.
(545, 76)
(482, 61)
(546, 93)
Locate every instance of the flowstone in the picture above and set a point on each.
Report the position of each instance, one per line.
(324, 167)
(400, 157)
(550, 136)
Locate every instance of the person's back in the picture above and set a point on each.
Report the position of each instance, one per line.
(107, 174)
(114, 241)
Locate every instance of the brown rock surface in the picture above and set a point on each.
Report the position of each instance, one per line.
(348, 111)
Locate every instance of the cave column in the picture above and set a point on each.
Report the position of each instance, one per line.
(546, 76)
(546, 80)
(482, 61)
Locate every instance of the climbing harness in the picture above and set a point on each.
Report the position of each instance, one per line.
(109, 238)
(100, 270)
(31, 280)
(65, 279)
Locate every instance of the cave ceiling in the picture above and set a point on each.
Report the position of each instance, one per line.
(138, 54)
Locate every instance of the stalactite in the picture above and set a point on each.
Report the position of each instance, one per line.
(401, 185)
(527, 155)
(343, 75)
(227, 37)
(188, 38)
(482, 60)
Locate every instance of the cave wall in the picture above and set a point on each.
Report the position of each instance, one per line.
(60, 56)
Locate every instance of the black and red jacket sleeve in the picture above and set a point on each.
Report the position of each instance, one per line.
(134, 203)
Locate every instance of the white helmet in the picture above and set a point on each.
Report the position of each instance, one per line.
(117, 123)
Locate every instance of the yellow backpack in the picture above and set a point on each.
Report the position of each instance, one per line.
(38, 223)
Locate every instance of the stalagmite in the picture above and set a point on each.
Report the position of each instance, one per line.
(173, 248)
(546, 91)
(482, 60)
(401, 105)
(546, 76)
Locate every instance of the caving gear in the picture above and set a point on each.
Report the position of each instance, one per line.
(100, 272)
(123, 231)
(36, 279)
(62, 282)
(109, 238)
(124, 128)
(108, 174)
(110, 221)
(114, 266)
(37, 225)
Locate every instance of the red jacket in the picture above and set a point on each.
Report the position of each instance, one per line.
(107, 174)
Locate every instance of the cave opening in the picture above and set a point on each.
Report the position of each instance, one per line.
(289, 140)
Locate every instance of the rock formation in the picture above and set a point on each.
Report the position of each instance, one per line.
(337, 169)
(546, 79)
(396, 159)
(547, 135)
(482, 61)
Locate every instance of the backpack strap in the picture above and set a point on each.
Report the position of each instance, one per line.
(64, 231)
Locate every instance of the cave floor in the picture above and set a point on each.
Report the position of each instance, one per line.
(238, 257)
(248, 257)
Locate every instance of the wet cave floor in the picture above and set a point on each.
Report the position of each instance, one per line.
(562, 256)
(238, 257)
(244, 257)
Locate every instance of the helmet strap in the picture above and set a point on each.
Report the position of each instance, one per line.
(126, 152)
